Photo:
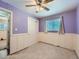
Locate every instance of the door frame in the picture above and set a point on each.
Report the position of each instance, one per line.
(10, 24)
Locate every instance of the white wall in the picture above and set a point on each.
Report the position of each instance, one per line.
(21, 41)
(63, 40)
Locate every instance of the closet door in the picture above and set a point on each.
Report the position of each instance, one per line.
(4, 32)
(4, 17)
(33, 26)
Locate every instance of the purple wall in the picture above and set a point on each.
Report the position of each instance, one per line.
(69, 21)
(78, 20)
(19, 18)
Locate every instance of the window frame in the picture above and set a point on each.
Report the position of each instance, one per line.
(61, 30)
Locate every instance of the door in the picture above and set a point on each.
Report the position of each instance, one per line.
(4, 28)
(33, 26)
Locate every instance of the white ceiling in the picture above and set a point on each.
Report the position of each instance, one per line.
(55, 7)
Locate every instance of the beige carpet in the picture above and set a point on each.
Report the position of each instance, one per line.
(43, 51)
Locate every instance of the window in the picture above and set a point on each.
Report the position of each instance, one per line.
(54, 25)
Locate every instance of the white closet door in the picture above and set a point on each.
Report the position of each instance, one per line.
(4, 17)
(33, 26)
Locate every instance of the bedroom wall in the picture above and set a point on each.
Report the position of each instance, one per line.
(20, 38)
(64, 40)
(69, 21)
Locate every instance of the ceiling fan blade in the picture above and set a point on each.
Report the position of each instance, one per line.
(47, 1)
(40, 1)
(36, 1)
(47, 9)
(30, 5)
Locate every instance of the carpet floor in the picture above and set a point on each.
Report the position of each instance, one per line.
(44, 51)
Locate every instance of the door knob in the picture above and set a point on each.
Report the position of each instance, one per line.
(1, 39)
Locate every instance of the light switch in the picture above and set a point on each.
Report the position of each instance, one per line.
(16, 29)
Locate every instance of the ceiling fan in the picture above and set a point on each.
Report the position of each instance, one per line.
(40, 3)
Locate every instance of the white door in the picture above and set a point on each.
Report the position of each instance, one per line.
(33, 28)
(4, 17)
(33, 25)
(4, 28)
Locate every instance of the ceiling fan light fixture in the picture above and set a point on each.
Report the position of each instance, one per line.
(40, 5)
